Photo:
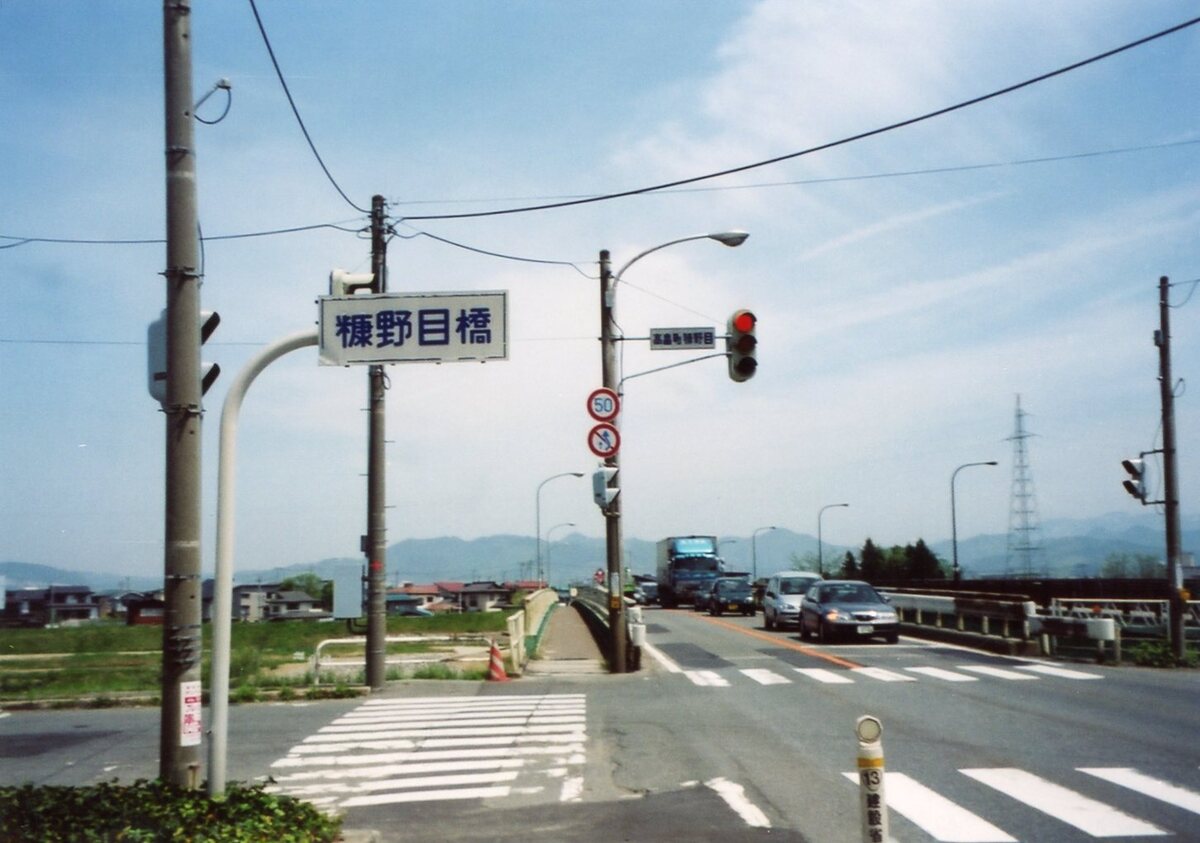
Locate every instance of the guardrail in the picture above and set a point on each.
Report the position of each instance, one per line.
(595, 602)
(360, 641)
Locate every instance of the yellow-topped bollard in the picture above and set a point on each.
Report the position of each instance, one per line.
(872, 799)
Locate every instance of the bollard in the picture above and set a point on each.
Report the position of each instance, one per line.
(872, 799)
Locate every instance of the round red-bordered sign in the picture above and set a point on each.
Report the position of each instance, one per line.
(604, 440)
(603, 404)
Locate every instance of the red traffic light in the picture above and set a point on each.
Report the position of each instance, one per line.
(744, 321)
(742, 345)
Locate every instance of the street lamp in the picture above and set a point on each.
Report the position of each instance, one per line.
(538, 516)
(611, 380)
(820, 512)
(549, 533)
(754, 550)
(957, 572)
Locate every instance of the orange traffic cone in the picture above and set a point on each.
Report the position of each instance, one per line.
(496, 666)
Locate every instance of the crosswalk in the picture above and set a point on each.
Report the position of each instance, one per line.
(390, 751)
(848, 676)
(947, 821)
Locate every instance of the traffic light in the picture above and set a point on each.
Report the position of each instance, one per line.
(1136, 484)
(343, 283)
(156, 355)
(741, 345)
(602, 493)
(209, 320)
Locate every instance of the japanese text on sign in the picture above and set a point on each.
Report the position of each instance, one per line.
(663, 339)
(435, 327)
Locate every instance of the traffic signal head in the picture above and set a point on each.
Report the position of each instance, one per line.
(1136, 484)
(602, 493)
(741, 345)
(156, 355)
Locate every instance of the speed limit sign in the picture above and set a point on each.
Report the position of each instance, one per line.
(603, 404)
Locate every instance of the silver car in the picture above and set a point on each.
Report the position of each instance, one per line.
(836, 609)
(781, 598)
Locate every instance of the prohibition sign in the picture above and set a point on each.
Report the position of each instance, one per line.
(603, 404)
(604, 440)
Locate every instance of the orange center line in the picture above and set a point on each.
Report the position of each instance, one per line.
(776, 640)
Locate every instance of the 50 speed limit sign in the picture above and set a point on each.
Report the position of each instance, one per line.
(603, 404)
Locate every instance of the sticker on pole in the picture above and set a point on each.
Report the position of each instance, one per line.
(189, 714)
(603, 404)
(604, 440)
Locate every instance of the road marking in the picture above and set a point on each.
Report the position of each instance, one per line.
(995, 672)
(883, 675)
(707, 678)
(941, 673)
(1088, 815)
(662, 658)
(766, 677)
(405, 751)
(1172, 794)
(829, 677)
(735, 797)
(777, 641)
(940, 818)
(1063, 672)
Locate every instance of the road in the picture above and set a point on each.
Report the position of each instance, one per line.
(729, 732)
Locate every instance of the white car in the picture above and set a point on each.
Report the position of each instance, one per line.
(782, 596)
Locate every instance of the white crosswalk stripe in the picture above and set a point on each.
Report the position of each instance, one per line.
(440, 748)
(945, 820)
(707, 678)
(766, 677)
(882, 674)
(829, 677)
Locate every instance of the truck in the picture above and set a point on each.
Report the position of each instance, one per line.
(685, 565)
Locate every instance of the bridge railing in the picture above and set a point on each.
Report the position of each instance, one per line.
(594, 602)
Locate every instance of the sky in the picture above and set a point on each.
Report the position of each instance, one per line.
(909, 285)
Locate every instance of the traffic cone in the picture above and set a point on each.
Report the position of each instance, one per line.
(496, 666)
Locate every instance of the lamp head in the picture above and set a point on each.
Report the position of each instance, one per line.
(730, 238)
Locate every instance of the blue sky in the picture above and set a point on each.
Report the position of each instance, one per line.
(901, 310)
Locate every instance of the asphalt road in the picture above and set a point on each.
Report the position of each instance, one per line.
(729, 732)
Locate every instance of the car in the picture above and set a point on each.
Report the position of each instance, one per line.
(730, 594)
(700, 597)
(649, 592)
(782, 595)
(835, 609)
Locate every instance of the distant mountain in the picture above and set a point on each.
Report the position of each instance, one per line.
(1070, 547)
(24, 575)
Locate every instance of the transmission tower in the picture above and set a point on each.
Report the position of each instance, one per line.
(1024, 530)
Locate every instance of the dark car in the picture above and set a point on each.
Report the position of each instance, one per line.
(730, 594)
(847, 609)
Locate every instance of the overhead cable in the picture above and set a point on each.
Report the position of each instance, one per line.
(820, 147)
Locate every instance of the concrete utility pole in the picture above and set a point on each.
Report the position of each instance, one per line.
(179, 750)
(375, 543)
(608, 368)
(1162, 339)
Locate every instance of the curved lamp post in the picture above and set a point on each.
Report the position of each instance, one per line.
(754, 551)
(820, 512)
(549, 533)
(611, 380)
(957, 572)
(538, 518)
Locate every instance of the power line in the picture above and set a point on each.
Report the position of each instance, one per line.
(820, 147)
(283, 83)
(152, 241)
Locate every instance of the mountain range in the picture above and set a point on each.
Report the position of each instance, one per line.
(1068, 548)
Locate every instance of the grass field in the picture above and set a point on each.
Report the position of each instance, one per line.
(109, 658)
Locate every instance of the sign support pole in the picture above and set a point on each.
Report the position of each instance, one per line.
(608, 367)
(375, 544)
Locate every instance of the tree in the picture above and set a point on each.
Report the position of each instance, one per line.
(872, 564)
(921, 563)
(849, 567)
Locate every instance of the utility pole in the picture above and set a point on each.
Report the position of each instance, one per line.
(180, 737)
(613, 537)
(1162, 339)
(375, 544)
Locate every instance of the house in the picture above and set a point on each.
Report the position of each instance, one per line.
(53, 605)
(292, 604)
(250, 601)
(485, 596)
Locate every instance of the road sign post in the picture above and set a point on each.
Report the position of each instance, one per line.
(872, 798)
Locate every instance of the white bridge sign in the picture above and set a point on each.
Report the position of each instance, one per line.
(413, 327)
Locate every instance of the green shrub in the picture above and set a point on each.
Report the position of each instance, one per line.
(147, 812)
(1159, 654)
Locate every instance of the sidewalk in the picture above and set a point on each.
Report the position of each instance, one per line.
(567, 646)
